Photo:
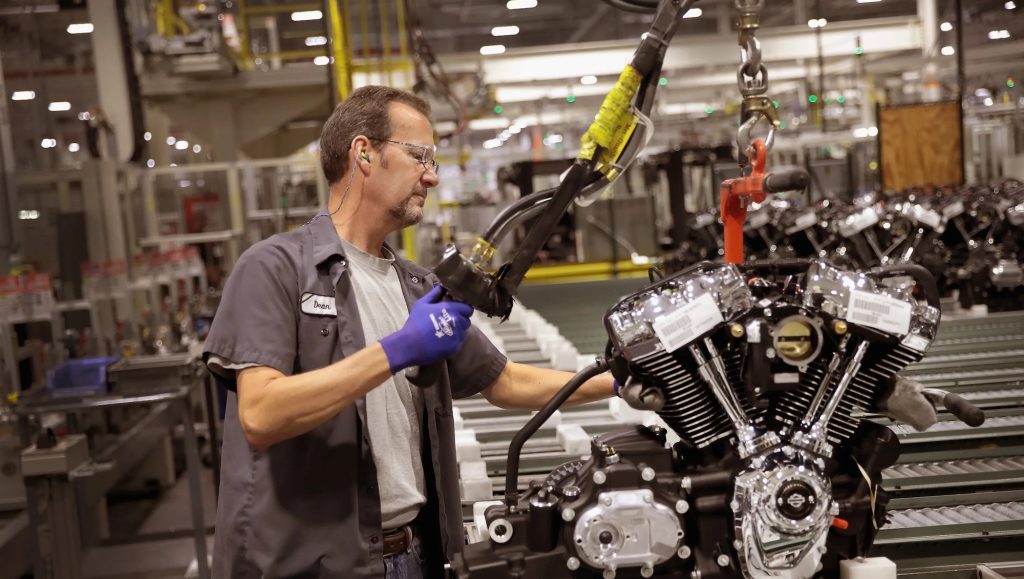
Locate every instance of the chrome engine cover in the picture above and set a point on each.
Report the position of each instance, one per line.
(783, 509)
(628, 528)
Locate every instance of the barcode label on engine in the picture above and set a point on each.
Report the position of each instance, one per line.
(879, 312)
(686, 324)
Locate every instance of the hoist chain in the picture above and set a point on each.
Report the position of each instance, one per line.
(752, 77)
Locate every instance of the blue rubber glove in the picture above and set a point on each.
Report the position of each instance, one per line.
(435, 330)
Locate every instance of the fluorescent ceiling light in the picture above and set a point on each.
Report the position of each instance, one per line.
(867, 1)
(988, 102)
(73, 147)
(147, 136)
(59, 106)
(998, 34)
(1011, 5)
(80, 28)
(316, 40)
(492, 143)
(171, 140)
(515, 129)
(85, 116)
(948, 51)
(181, 145)
(520, 4)
(28, 214)
(693, 13)
(23, 95)
(492, 49)
(817, 22)
(151, 163)
(945, 27)
(304, 15)
(589, 79)
(504, 31)
(197, 148)
(48, 143)
(321, 60)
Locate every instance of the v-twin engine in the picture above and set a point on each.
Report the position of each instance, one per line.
(765, 373)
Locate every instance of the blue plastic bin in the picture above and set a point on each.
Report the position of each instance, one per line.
(80, 377)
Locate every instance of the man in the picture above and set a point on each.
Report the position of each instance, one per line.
(334, 465)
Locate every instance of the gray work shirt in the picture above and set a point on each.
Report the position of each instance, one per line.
(309, 506)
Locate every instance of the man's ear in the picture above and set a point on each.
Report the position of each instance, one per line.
(361, 153)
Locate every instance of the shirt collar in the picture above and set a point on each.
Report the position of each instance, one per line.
(327, 243)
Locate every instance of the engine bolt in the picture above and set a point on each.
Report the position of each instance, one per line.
(686, 484)
(769, 353)
(607, 501)
(647, 570)
(572, 563)
(600, 477)
(568, 515)
(682, 506)
(684, 552)
(738, 545)
(647, 474)
(571, 491)
(839, 327)
(736, 330)
(722, 560)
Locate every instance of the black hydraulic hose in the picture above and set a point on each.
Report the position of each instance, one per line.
(526, 432)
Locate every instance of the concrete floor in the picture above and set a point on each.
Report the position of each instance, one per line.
(157, 559)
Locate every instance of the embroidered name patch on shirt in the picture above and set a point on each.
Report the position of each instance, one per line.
(318, 305)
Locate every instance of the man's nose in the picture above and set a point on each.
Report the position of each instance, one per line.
(430, 178)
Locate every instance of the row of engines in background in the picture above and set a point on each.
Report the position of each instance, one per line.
(970, 238)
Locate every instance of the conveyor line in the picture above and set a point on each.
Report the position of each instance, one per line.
(960, 515)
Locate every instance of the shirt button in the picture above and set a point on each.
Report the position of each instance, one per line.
(343, 262)
(325, 331)
(415, 279)
(374, 539)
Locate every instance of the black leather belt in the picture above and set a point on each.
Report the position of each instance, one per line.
(397, 540)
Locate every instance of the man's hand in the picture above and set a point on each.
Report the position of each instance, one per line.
(435, 330)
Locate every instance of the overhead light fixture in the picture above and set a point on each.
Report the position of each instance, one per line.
(589, 79)
(84, 116)
(492, 49)
(59, 106)
(948, 51)
(693, 13)
(48, 143)
(988, 102)
(1011, 5)
(23, 95)
(316, 40)
(520, 4)
(945, 27)
(492, 143)
(860, 132)
(73, 147)
(181, 145)
(817, 23)
(515, 129)
(867, 1)
(147, 136)
(504, 31)
(872, 131)
(998, 34)
(197, 148)
(151, 163)
(28, 214)
(171, 141)
(321, 60)
(80, 28)
(305, 15)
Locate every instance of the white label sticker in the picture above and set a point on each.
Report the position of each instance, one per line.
(686, 324)
(318, 305)
(858, 222)
(953, 209)
(758, 220)
(703, 220)
(879, 312)
(805, 220)
(927, 217)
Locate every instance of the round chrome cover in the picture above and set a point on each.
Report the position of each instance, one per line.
(627, 529)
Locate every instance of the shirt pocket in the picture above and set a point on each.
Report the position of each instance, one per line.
(318, 342)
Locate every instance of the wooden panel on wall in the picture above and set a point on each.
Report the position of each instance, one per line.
(920, 145)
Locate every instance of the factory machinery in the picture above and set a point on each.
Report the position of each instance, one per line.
(955, 493)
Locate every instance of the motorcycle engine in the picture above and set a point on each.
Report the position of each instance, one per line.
(765, 372)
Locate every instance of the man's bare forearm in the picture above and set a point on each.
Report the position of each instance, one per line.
(523, 387)
(273, 407)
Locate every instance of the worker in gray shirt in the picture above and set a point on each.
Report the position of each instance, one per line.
(334, 465)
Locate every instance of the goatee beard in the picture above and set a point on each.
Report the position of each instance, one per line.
(407, 213)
